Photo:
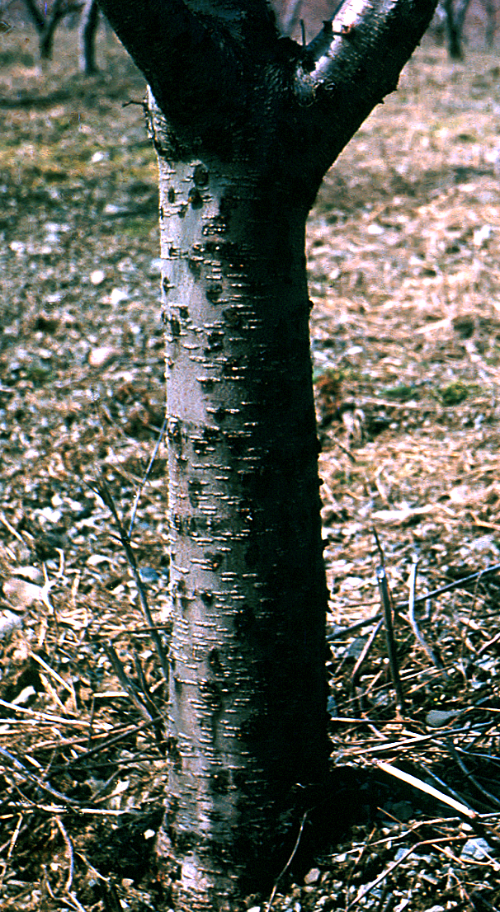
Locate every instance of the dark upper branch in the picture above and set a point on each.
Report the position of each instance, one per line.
(353, 63)
(190, 48)
(367, 29)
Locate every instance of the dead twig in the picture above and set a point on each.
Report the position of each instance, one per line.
(30, 777)
(105, 494)
(289, 862)
(69, 849)
(146, 476)
(461, 809)
(389, 635)
(413, 621)
(127, 683)
(362, 658)
(472, 779)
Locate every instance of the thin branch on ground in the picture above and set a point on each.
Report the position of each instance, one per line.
(389, 632)
(102, 489)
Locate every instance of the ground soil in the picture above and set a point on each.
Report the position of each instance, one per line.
(403, 249)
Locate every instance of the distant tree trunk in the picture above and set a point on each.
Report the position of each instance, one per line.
(86, 36)
(455, 12)
(489, 6)
(438, 24)
(245, 124)
(47, 35)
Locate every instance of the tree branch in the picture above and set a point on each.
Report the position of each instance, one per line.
(352, 64)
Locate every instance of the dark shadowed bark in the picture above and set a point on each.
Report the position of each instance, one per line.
(245, 124)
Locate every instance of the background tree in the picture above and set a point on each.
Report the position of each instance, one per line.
(490, 25)
(87, 30)
(455, 13)
(46, 21)
(245, 124)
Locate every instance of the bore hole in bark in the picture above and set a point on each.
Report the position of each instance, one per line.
(175, 327)
(195, 489)
(200, 447)
(214, 559)
(211, 434)
(211, 692)
(237, 443)
(200, 175)
(214, 661)
(195, 198)
(194, 267)
(221, 413)
(220, 782)
(213, 293)
(215, 342)
(232, 316)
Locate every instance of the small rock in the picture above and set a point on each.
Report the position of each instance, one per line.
(22, 594)
(24, 696)
(97, 276)
(476, 849)
(118, 295)
(148, 575)
(312, 876)
(33, 574)
(438, 717)
(8, 623)
(101, 357)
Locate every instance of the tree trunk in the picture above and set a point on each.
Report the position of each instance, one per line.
(86, 37)
(455, 20)
(490, 10)
(245, 124)
(247, 692)
(452, 34)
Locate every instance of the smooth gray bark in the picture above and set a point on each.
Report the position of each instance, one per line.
(245, 125)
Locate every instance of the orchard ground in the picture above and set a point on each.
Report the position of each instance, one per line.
(404, 254)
